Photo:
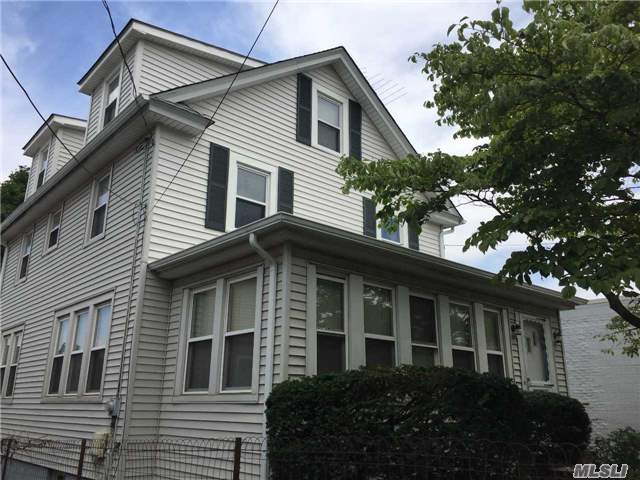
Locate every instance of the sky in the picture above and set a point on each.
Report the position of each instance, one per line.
(50, 45)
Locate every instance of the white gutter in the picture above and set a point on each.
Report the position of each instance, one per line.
(271, 324)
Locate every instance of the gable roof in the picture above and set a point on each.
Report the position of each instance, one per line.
(55, 120)
(346, 67)
(136, 30)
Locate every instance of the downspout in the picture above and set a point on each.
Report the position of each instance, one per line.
(271, 324)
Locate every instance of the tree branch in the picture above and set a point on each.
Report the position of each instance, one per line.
(618, 307)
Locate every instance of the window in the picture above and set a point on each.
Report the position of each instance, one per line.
(80, 336)
(424, 336)
(331, 325)
(27, 243)
(251, 195)
(329, 123)
(462, 336)
(390, 231)
(198, 368)
(237, 373)
(378, 326)
(100, 204)
(112, 95)
(536, 354)
(493, 335)
(43, 164)
(10, 355)
(53, 236)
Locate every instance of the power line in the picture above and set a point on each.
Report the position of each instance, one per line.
(217, 107)
(24, 90)
(124, 59)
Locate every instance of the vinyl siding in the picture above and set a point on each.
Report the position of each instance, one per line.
(74, 272)
(258, 124)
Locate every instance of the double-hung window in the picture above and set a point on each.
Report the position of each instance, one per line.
(329, 123)
(100, 203)
(251, 195)
(390, 231)
(462, 341)
(379, 331)
(424, 334)
(495, 344)
(10, 355)
(27, 244)
(237, 372)
(112, 97)
(200, 340)
(331, 325)
(79, 348)
(53, 230)
(43, 164)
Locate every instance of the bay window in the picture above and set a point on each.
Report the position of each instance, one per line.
(462, 341)
(424, 336)
(380, 347)
(331, 325)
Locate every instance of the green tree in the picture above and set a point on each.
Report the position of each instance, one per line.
(12, 191)
(555, 106)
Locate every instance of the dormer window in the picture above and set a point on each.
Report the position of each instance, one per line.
(43, 164)
(113, 95)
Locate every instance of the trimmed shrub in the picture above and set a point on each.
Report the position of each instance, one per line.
(557, 419)
(620, 446)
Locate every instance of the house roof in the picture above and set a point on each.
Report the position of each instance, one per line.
(55, 120)
(136, 30)
(339, 245)
(344, 64)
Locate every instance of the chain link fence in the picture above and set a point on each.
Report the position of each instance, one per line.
(246, 458)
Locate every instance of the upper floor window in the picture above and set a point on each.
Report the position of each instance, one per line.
(462, 342)
(331, 333)
(329, 123)
(100, 203)
(9, 357)
(80, 341)
(112, 97)
(43, 163)
(251, 195)
(390, 231)
(495, 343)
(53, 229)
(379, 331)
(424, 335)
(27, 243)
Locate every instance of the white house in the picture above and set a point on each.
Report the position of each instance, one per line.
(178, 292)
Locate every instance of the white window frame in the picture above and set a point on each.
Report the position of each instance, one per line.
(23, 242)
(344, 116)
(271, 194)
(215, 392)
(40, 161)
(16, 339)
(50, 229)
(105, 95)
(483, 351)
(474, 334)
(436, 347)
(93, 206)
(345, 328)
(394, 322)
(551, 384)
(71, 312)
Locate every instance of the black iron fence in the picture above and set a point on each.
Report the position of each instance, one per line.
(246, 458)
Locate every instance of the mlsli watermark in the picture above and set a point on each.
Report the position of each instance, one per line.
(606, 470)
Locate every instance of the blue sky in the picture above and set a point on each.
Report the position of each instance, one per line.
(50, 45)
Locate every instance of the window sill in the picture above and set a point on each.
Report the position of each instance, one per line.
(50, 250)
(223, 397)
(97, 399)
(90, 241)
(328, 150)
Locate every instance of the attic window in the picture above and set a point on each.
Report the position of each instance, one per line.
(44, 163)
(113, 94)
(329, 125)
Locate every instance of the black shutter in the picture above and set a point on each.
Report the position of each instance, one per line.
(355, 130)
(216, 212)
(285, 190)
(414, 238)
(303, 123)
(369, 217)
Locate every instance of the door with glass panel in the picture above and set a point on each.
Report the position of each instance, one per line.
(535, 352)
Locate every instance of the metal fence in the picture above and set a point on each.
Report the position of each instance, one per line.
(245, 458)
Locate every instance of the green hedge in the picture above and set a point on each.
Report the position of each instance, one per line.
(370, 420)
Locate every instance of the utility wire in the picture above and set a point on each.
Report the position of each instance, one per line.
(217, 107)
(24, 90)
(124, 58)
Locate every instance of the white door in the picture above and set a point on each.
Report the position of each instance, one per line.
(535, 353)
